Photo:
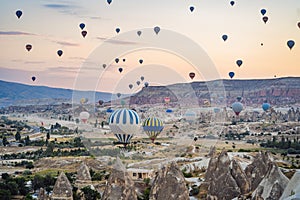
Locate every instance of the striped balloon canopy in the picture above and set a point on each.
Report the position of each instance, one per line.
(153, 127)
(124, 123)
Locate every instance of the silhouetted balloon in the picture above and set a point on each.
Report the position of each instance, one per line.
(120, 69)
(118, 30)
(156, 30)
(19, 13)
(224, 37)
(130, 86)
(146, 84)
(33, 78)
(192, 8)
(265, 19)
(83, 33)
(59, 53)
(104, 65)
(231, 74)
(239, 62)
(118, 95)
(100, 102)
(261, 44)
(232, 3)
(139, 33)
(239, 98)
(298, 24)
(138, 82)
(142, 78)
(290, 44)
(82, 25)
(265, 106)
(124, 59)
(263, 11)
(117, 60)
(109, 1)
(192, 75)
(141, 61)
(28, 47)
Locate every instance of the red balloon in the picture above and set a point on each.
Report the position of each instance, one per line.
(265, 19)
(192, 75)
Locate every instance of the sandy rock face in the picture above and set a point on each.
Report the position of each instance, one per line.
(169, 184)
(62, 188)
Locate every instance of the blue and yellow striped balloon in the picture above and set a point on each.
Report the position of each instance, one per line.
(153, 127)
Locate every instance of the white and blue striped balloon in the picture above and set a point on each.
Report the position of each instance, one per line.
(124, 123)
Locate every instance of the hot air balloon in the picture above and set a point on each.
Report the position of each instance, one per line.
(139, 33)
(290, 44)
(83, 33)
(206, 102)
(263, 11)
(152, 126)
(237, 107)
(169, 110)
(59, 53)
(117, 60)
(141, 61)
(192, 8)
(84, 100)
(101, 102)
(167, 100)
(192, 75)
(28, 47)
(265, 106)
(130, 86)
(84, 116)
(104, 65)
(239, 98)
(33, 78)
(81, 25)
(109, 110)
(231, 74)
(239, 62)
(138, 82)
(120, 69)
(146, 84)
(265, 19)
(156, 30)
(298, 24)
(217, 110)
(118, 30)
(109, 1)
(224, 37)
(232, 3)
(190, 116)
(124, 59)
(142, 78)
(118, 95)
(124, 123)
(19, 13)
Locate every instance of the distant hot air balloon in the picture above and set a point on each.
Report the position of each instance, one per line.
(298, 24)
(217, 110)
(138, 82)
(109, 110)
(169, 110)
(100, 102)
(146, 84)
(237, 107)
(239, 62)
(84, 100)
(141, 61)
(167, 100)
(265, 19)
(263, 11)
(109, 1)
(290, 44)
(224, 37)
(118, 30)
(142, 78)
(190, 116)
(118, 95)
(19, 13)
(192, 8)
(192, 75)
(120, 69)
(239, 98)
(265, 106)
(33, 78)
(28, 47)
(83, 33)
(81, 25)
(117, 60)
(156, 30)
(152, 126)
(84, 116)
(104, 65)
(130, 86)
(124, 123)
(59, 53)
(139, 33)
(124, 59)
(231, 74)
(232, 3)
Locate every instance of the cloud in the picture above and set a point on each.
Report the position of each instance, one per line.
(34, 62)
(114, 41)
(16, 33)
(61, 70)
(64, 43)
(55, 6)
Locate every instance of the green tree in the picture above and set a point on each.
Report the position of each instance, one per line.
(5, 194)
(5, 141)
(18, 136)
(90, 193)
(48, 135)
(27, 140)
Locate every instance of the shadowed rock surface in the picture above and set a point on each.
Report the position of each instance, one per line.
(119, 186)
(62, 188)
(292, 190)
(83, 173)
(169, 184)
(240, 177)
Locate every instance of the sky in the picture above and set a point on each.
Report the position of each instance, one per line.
(187, 41)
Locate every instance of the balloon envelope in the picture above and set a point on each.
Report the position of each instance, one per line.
(84, 116)
(237, 107)
(138, 82)
(33, 78)
(265, 106)
(109, 1)
(130, 86)
(146, 84)
(100, 102)
(152, 126)
(104, 65)
(232, 3)
(19, 13)
(139, 33)
(224, 37)
(192, 75)
(83, 33)
(231, 74)
(156, 30)
(290, 44)
(82, 25)
(117, 60)
(265, 19)
(118, 94)
(28, 47)
(118, 30)
(142, 78)
(192, 8)
(298, 24)
(263, 11)
(239, 62)
(120, 69)
(141, 61)
(59, 53)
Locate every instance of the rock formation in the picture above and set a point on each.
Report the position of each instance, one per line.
(292, 190)
(83, 175)
(272, 185)
(62, 188)
(169, 183)
(119, 186)
(43, 195)
(240, 177)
